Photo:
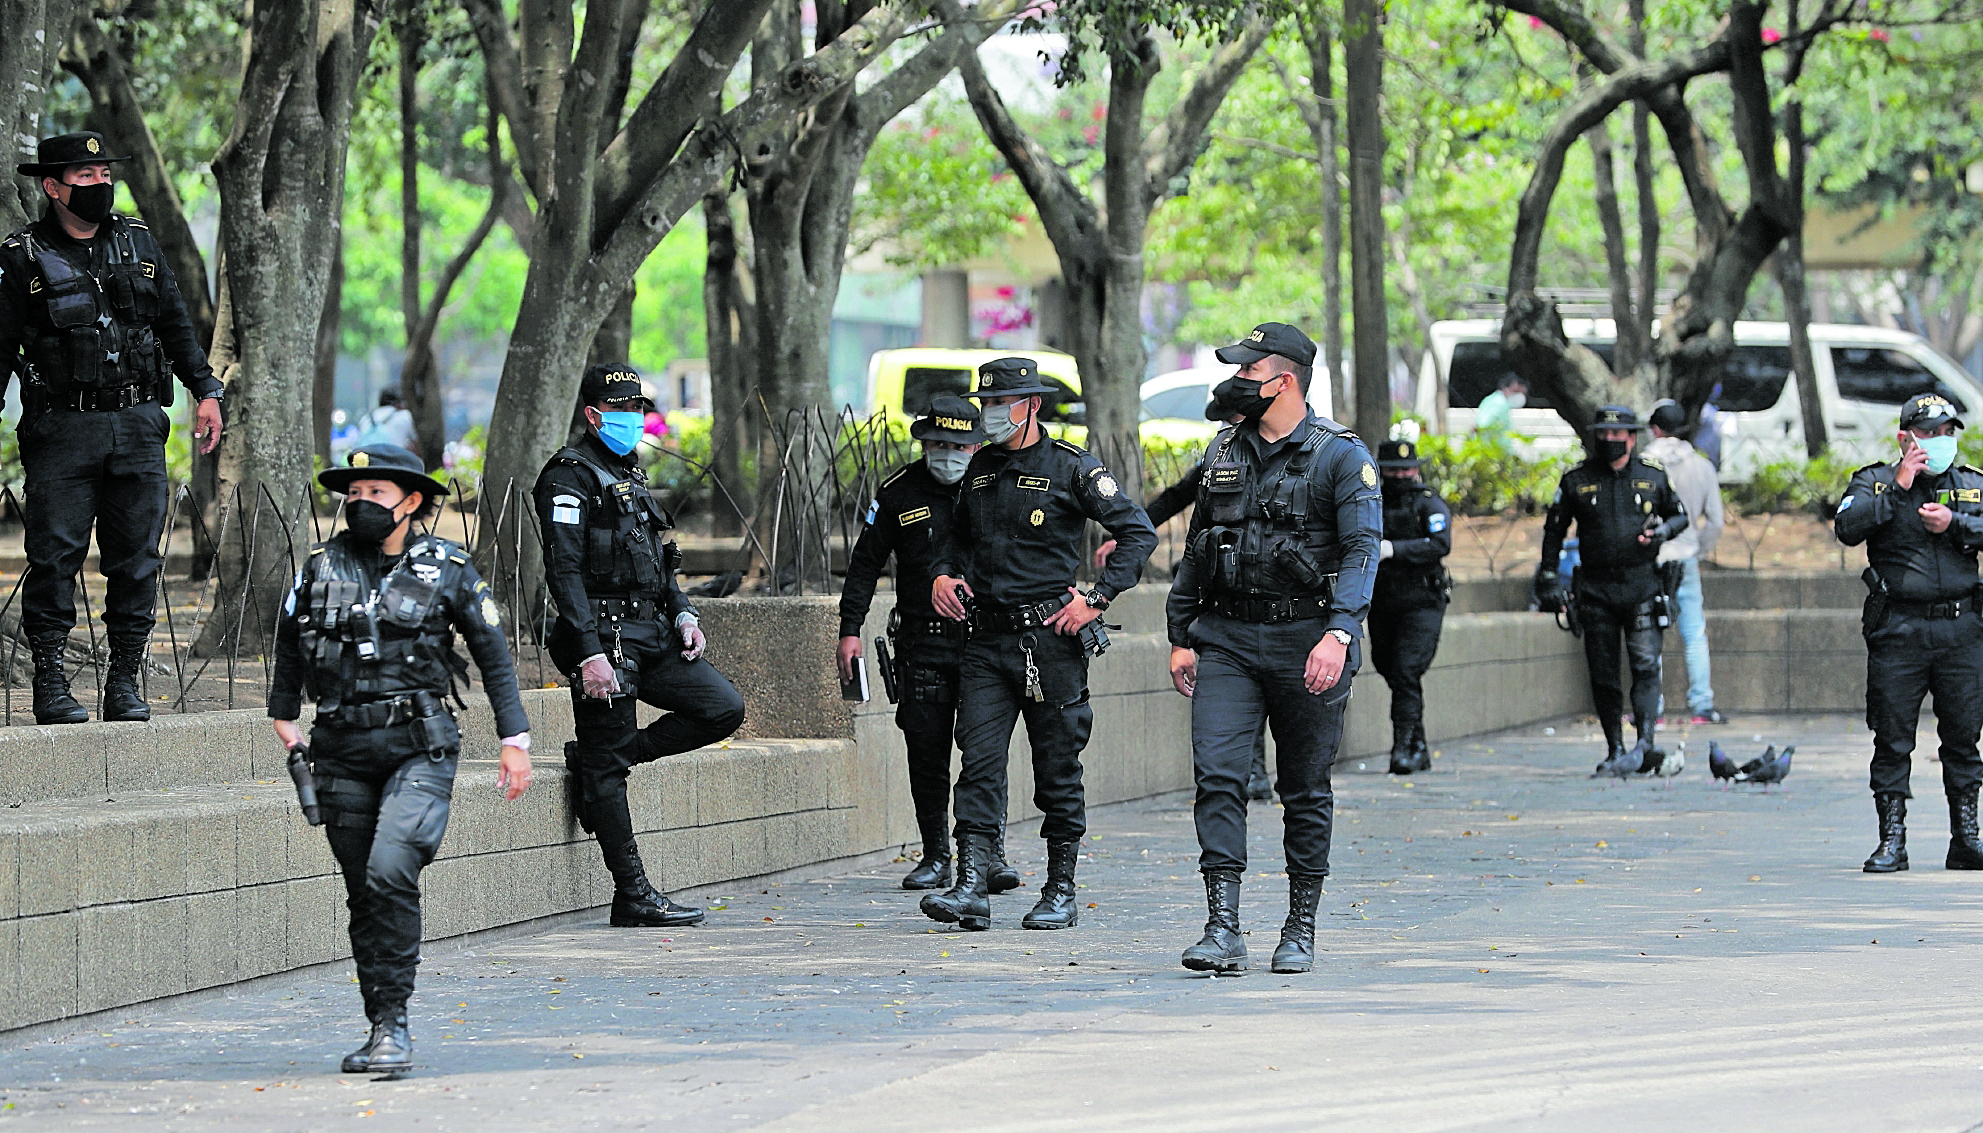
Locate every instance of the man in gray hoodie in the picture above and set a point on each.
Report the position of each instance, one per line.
(1694, 481)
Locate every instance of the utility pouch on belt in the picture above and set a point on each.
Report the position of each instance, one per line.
(434, 729)
(1873, 614)
(1094, 638)
(1294, 560)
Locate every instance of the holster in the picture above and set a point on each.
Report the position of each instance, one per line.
(434, 730)
(1873, 614)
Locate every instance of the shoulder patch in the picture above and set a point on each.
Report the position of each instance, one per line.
(874, 509)
(1436, 522)
(1369, 475)
(564, 509)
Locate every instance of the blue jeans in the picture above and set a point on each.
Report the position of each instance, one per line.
(1693, 626)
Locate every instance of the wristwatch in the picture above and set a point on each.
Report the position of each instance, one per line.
(1097, 600)
(1342, 635)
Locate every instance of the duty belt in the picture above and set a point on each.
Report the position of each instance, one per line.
(927, 625)
(1271, 611)
(380, 713)
(105, 400)
(1014, 619)
(1949, 610)
(627, 609)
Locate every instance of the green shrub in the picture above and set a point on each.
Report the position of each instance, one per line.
(1480, 474)
(1792, 485)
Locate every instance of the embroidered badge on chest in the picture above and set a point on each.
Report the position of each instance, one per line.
(916, 515)
(984, 481)
(1035, 483)
(1038, 517)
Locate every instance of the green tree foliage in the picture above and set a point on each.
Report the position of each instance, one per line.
(937, 193)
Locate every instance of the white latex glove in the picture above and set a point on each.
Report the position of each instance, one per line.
(1384, 549)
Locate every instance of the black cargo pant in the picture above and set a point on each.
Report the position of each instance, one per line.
(702, 708)
(1404, 637)
(105, 470)
(991, 697)
(1606, 624)
(385, 806)
(1247, 673)
(1908, 657)
(927, 669)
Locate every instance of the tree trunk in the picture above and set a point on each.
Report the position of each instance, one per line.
(1321, 67)
(419, 373)
(1644, 196)
(281, 177)
(323, 386)
(729, 320)
(1796, 303)
(32, 33)
(1363, 60)
(114, 113)
(1627, 350)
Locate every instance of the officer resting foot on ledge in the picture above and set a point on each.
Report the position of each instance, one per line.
(625, 632)
(1921, 519)
(1263, 620)
(368, 631)
(92, 317)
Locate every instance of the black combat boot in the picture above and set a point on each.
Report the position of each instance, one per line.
(360, 1060)
(933, 872)
(1421, 751)
(1222, 949)
(1000, 877)
(1618, 763)
(1964, 852)
(52, 702)
(1056, 906)
(122, 699)
(1891, 857)
(1401, 750)
(967, 903)
(636, 904)
(392, 1046)
(1296, 952)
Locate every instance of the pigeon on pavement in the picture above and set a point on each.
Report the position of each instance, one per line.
(1745, 773)
(1773, 770)
(1719, 764)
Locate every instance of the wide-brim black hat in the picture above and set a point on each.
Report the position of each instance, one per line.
(383, 462)
(1011, 377)
(952, 419)
(1399, 454)
(55, 154)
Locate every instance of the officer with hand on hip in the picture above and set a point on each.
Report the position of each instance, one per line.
(624, 632)
(1408, 606)
(91, 316)
(1263, 621)
(1921, 519)
(369, 633)
(910, 519)
(1014, 547)
(1624, 509)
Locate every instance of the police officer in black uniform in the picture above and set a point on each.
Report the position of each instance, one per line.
(910, 519)
(91, 318)
(1013, 550)
(1921, 518)
(1408, 606)
(1263, 621)
(624, 631)
(1624, 508)
(369, 632)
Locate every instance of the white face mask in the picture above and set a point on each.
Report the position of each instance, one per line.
(1516, 400)
(1000, 424)
(946, 464)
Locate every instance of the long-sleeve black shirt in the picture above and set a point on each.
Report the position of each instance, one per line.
(1016, 537)
(19, 309)
(1169, 503)
(1611, 508)
(1343, 496)
(1916, 564)
(464, 606)
(1419, 526)
(567, 499)
(909, 519)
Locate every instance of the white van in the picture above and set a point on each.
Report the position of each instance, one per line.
(1864, 373)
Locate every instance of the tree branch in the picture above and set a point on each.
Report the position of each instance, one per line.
(504, 67)
(1065, 211)
(1173, 145)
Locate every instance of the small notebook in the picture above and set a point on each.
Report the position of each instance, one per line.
(856, 689)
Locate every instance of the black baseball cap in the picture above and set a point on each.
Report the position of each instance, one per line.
(1269, 338)
(1616, 417)
(952, 419)
(1668, 417)
(382, 462)
(55, 154)
(1011, 377)
(609, 382)
(1398, 454)
(1928, 410)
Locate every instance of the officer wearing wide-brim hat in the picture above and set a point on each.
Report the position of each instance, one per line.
(1921, 519)
(1014, 548)
(909, 519)
(1624, 508)
(1408, 604)
(368, 632)
(91, 316)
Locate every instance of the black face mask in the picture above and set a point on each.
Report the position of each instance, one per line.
(1610, 451)
(369, 523)
(1244, 399)
(91, 203)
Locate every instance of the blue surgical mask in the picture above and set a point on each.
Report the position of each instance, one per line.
(1941, 453)
(621, 431)
(947, 465)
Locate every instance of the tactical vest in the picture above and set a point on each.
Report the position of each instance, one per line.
(102, 327)
(1267, 537)
(624, 552)
(362, 644)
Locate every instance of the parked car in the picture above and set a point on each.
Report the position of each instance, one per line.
(1863, 375)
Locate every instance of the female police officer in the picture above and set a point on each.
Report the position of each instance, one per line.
(369, 632)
